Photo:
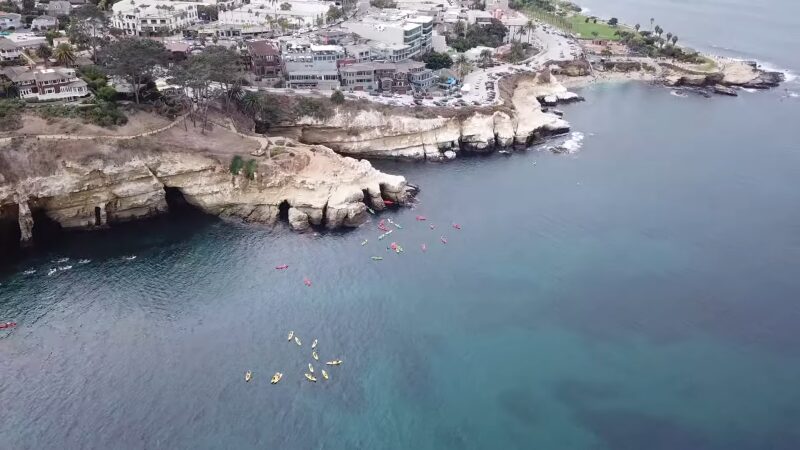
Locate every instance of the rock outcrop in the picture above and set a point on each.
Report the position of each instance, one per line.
(398, 133)
(93, 184)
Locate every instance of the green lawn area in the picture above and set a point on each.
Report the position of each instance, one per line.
(603, 30)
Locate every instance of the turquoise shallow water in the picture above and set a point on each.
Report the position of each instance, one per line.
(641, 293)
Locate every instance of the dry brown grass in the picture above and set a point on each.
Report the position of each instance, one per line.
(138, 122)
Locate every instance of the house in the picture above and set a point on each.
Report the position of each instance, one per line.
(153, 17)
(418, 76)
(262, 12)
(387, 76)
(58, 8)
(264, 58)
(10, 21)
(9, 50)
(47, 84)
(358, 77)
(358, 52)
(44, 23)
(311, 66)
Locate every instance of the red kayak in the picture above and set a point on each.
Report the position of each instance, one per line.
(424, 247)
(282, 267)
(422, 218)
(3, 326)
(307, 282)
(456, 226)
(388, 202)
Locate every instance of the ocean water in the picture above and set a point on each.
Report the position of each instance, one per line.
(641, 292)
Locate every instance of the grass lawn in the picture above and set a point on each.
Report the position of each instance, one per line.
(603, 30)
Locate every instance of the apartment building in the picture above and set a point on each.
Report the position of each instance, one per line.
(404, 32)
(153, 17)
(311, 66)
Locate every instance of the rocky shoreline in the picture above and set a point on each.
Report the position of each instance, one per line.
(92, 184)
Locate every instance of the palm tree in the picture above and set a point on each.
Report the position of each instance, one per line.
(636, 27)
(669, 37)
(659, 30)
(529, 26)
(44, 52)
(463, 65)
(486, 57)
(674, 39)
(250, 104)
(64, 54)
(652, 21)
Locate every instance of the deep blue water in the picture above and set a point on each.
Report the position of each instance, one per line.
(641, 293)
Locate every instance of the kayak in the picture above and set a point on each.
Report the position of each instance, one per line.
(306, 281)
(388, 202)
(282, 267)
(335, 362)
(276, 378)
(324, 374)
(315, 355)
(364, 242)
(314, 344)
(456, 226)
(311, 378)
(377, 258)
(297, 340)
(3, 326)
(380, 238)
(310, 368)
(433, 226)
(248, 376)
(443, 239)
(371, 211)
(422, 218)
(291, 335)
(424, 247)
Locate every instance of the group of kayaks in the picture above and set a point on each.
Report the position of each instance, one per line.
(394, 246)
(308, 375)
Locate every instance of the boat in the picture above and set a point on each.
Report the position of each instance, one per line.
(248, 376)
(3, 326)
(377, 258)
(291, 335)
(307, 282)
(314, 344)
(310, 368)
(315, 355)
(282, 267)
(311, 378)
(335, 362)
(364, 242)
(297, 340)
(324, 374)
(276, 378)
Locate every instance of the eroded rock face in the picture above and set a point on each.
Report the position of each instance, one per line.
(320, 186)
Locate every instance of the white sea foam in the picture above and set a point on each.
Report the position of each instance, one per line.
(678, 94)
(574, 143)
(29, 272)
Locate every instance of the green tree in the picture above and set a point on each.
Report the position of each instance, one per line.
(529, 27)
(106, 93)
(517, 52)
(135, 60)
(337, 97)
(208, 12)
(436, 60)
(64, 54)
(87, 28)
(613, 22)
(250, 169)
(486, 57)
(285, 6)
(44, 52)
(334, 14)
(463, 65)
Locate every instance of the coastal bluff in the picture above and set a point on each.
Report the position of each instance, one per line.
(91, 183)
(433, 134)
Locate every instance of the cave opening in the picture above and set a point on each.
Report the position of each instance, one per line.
(97, 219)
(283, 211)
(45, 230)
(177, 203)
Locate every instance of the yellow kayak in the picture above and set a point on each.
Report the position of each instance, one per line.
(310, 368)
(315, 356)
(248, 376)
(335, 362)
(297, 340)
(276, 378)
(291, 335)
(311, 378)
(324, 374)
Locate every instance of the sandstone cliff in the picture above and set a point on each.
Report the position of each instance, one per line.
(413, 134)
(90, 183)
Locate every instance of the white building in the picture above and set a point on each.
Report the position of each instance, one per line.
(9, 50)
(47, 84)
(10, 20)
(153, 17)
(58, 8)
(396, 28)
(44, 23)
(262, 12)
(309, 66)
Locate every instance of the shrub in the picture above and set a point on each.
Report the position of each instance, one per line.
(236, 164)
(337, 97)
(106, 93)
(10, 113)
(436, 60)
(250, 169)
(313, 107)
